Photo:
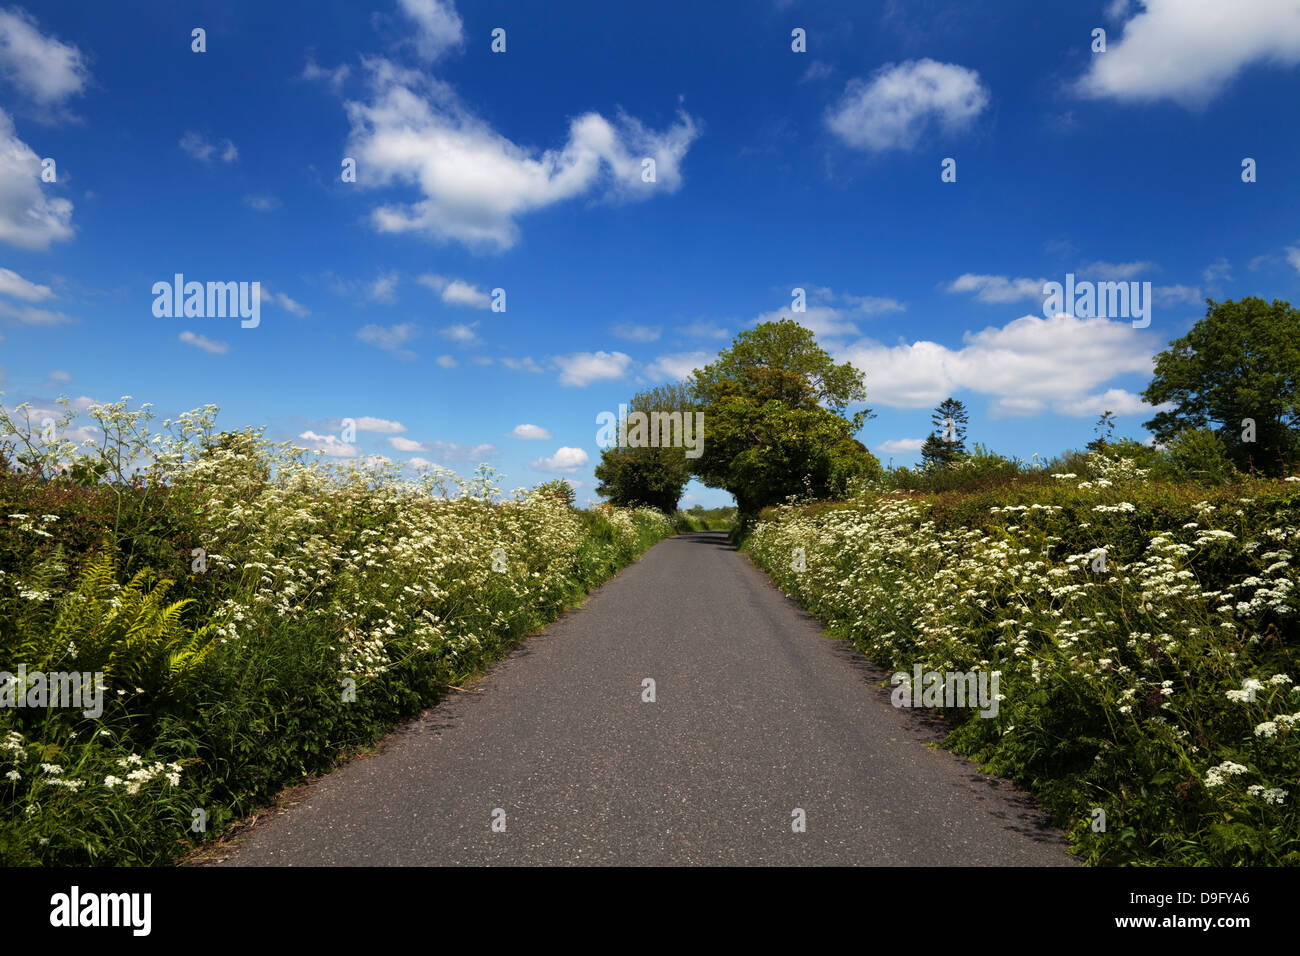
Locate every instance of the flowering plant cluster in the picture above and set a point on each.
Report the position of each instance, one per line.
(1145, 633)
(254, 612)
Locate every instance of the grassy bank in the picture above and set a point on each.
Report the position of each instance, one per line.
(254, 613)
(1144, 632)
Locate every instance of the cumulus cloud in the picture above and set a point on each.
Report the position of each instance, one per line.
(390, 338)
(565, 459)
(634, 332)
(525, 364)
(1220, 270)
(531, 432)
(902, 101)
(457, 291)
(46, 69)
(28, 218)
(583, 368)
(267, 295)
(30, 315)
(677, 367)
(1029, 365)
(446, 361)
(330, 445)
(1114, 271)
(261, 203)
(998, 289)
(205, 343)
(438, 27)
(1189, 51)
(1293, 257)
(472, 182)
(384, 288)
(461, 332)
(334, 78)
(381, 425)
(197, 146)
(405, 444)
(15, 286)
(899, 446)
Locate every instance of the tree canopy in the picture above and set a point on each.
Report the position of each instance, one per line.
(1237, 371)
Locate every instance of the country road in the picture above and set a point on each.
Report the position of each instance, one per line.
(756, 714)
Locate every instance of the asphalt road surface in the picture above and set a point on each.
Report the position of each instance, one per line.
(756, 717)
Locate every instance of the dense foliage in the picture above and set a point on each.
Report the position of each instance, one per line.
(254, 614)
(1144, 630)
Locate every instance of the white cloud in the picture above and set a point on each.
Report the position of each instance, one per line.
(28, 219)
(638, 333)
(583, 368)
(531, 432)
(525, 364)
(1114, 271)
(823, 320)
(457, 291)
(1176, 294)
(473, 183)
(998, 289)
(405, 444)
(29, 315)
(205, 343)
(446, 361)
(817, 70)
(451, 451)
(1293, 257)
(14, 285)
(902, 101)
(293, 307)
(704, 330)
(1220, 270)
(261, 203)
(198, 147)
(677, 367)
(329, 444)
(1189, 51)
(334, 78)
(1116, 400)
(44, 68)
(564, 459)
(1029, 365)
(461, 332)
(384, 288)
(390, 338)
(438, 26)
(381, 425)
(899, 446)
(873, 304)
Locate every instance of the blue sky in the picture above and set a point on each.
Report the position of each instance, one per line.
(522, 171)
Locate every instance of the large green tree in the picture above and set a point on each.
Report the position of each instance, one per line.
(947, 443)
(653, 477)
(1237, 366)
(774, 418)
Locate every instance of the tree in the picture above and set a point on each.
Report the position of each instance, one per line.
(1237, 370)
(774, 423)
(1105, 429)
(648, 476)
(947, 443)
